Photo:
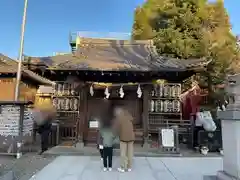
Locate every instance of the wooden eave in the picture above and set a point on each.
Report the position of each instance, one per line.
(41, 80)
(9, 66)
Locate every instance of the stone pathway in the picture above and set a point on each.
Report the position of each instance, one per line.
(151, 168)
(24, 167)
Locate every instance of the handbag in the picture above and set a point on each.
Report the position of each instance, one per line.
(205, 118)
(116, 141)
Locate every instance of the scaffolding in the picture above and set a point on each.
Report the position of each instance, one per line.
(99, 35)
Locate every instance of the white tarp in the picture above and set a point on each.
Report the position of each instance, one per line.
(205, 119)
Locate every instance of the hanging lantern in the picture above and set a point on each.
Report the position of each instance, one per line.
(121, 92)
(107, 94)
(91, 90)
(139, 91)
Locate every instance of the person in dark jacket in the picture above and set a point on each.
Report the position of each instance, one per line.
(108, 139)
(43, 118)
(44, 131)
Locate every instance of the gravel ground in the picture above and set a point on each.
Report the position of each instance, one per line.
(25, 167)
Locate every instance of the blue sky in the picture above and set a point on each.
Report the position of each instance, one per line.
(50, 21)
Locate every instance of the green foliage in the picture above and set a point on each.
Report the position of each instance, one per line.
(190, 29)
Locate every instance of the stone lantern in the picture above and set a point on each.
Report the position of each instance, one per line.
(230, 119)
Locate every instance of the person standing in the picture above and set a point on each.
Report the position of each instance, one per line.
(43, 117)
(124, 126)
(44, 131)
(108, 137)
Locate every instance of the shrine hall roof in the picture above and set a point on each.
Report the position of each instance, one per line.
(115, 55)
(9, 66)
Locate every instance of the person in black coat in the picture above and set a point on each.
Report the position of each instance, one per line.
(44, 131)
(43, 125)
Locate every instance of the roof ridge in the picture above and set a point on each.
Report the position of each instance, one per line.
(7, 60)
(48, 56)
(110, 41)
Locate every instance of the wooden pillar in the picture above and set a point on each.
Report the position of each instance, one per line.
(82, 116)
(85, 113)
(145, 116)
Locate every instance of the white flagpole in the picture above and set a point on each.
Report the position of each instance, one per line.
(19, 70)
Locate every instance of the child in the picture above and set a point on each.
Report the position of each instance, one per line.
(108, 139)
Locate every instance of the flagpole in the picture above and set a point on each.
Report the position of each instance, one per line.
(19, 70)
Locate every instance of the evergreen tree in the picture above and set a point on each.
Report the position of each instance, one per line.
(189, 29)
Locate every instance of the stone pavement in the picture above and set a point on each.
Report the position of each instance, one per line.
(24, 167)
(151, 168)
